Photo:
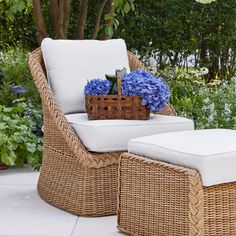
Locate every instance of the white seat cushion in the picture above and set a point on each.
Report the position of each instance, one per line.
(113, 135)
(71, 63)
(212, 152)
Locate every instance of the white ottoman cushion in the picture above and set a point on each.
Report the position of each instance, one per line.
(113, 135)
(212, 152)
(71, 63)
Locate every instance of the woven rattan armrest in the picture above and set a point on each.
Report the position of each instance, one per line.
(71, 138)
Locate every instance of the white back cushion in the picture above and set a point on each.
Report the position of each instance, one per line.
(71, 63)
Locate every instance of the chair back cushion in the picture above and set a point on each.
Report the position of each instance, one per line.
(71, 63)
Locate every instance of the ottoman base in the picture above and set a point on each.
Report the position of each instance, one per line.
(161, 199)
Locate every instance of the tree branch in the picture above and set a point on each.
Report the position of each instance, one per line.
(39, 21)
(66, 15)
(82, 19)
(100, 9)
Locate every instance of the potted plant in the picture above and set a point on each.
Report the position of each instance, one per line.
(3, 166)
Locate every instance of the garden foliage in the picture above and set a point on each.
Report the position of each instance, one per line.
(20, 119)
(175, 32)
(14, 71)
(210, 105)
(184, 33)
(180, 35)
(18, 140)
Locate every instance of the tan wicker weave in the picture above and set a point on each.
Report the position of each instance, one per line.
(160, 199)
(72, 178)
(116, 107)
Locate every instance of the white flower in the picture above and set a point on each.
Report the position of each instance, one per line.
(205, 1)
(206, 100)
(152, 62)
(210, 118)
(227, 109)
(234, 81)
(212, 107)
(204, 70)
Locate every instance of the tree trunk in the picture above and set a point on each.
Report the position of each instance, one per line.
(82, 19)
(41, 31)
(203, 53)
(66, 16)
(57, 10)
(100, 9)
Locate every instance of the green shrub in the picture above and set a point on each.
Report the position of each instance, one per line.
(14, 71)
(19, 140)
(20, 119)
(210, 105)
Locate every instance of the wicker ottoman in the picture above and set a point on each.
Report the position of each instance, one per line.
(186, 187)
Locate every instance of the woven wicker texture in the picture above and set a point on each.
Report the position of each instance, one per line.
(116, 107)
(71, 177)
(160, 199)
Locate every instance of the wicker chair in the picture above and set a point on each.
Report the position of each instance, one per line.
(71, 177)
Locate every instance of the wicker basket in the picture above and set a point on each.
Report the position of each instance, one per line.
(116, 106)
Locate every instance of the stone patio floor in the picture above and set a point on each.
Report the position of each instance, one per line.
(24, 213)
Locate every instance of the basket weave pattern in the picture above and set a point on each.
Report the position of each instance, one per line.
(157, 198)
(116, 107)
(71, 177)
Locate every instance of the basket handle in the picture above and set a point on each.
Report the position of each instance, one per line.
(119, 77)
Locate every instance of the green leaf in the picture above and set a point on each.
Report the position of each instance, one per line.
(18, 138)
(107, 17)
(3, 126)
(127, 7)
(132, 6)
(118, 3)
(116, 23)
(8, 158)
(7, 109)
(31, 147)
(110, 32)
(113, 80)
(110, 77)
(3, 139)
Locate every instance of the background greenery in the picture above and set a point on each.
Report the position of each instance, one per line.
(170, 31)
(182, 36)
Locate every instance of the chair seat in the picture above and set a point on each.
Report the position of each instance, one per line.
(113, 135)
(212, 152)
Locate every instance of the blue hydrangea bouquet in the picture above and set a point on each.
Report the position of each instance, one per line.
(131, 96)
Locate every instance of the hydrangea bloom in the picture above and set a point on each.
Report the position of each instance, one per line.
(97, 87)
(153, 91)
